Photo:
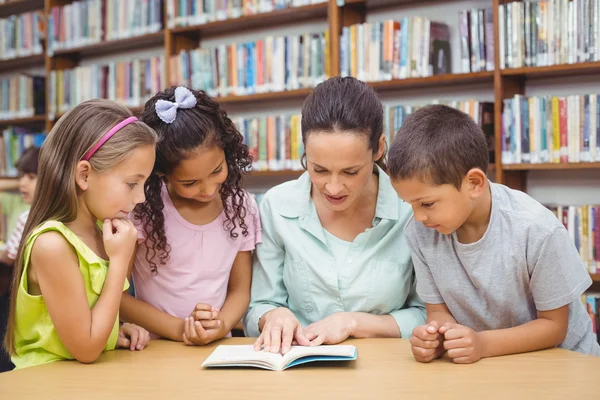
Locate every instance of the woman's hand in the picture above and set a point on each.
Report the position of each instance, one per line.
(333, 329)
(280, 328)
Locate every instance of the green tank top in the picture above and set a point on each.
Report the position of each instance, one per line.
(36, 339)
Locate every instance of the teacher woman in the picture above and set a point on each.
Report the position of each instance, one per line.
(334, 262)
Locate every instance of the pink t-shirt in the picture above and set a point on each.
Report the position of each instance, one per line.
(199, 263)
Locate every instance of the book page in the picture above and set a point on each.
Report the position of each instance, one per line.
(241, 355)
(305, 351)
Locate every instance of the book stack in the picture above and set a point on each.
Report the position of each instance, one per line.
(275, 141)
(198, 12)
(87, 22)
(130, 83)
(21, 35)
(22, 96)
(583, 224)
(551, 129)
(13, 142)
(482, 112)
(592, 305)
(476, 28)
(273, 64)
(548, 32)
(410, 48)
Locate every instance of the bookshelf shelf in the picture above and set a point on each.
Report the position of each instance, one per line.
(21, 62)
(595, 277)
(35, 120)
(563, 166)
(288, 173)
(269, 96)
(5, 178)
(113, 46)
(554, 70)
(375, 4)
(435, 80)
(20, 6)
(274, 18)
(135, 110)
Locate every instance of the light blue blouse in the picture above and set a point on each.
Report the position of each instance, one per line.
(294, 267)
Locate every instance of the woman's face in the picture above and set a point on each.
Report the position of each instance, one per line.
(340, 165)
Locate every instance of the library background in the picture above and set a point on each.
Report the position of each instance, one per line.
(526, 71)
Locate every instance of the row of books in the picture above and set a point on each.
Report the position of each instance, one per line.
(86, 22)
(409, 48)
(476, 29)
(13, 142)
(130, 83)
(275, 141)
(548, 32)
(551, 129)
(22, 96)
(482, 112)
(273, 64)
(583, 225)
(198, 12)
(21, 35)
(591, 300)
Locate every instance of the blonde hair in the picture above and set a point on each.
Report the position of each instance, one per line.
(56, 192)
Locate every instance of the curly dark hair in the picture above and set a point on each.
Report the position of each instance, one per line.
(204, 124)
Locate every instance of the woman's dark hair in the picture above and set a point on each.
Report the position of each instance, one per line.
(206, 124)
(344, 105)
(28, 162)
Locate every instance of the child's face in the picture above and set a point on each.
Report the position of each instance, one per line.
(114, 194)
(339, 165)
(27, 184)
(439, 207)
(200, 176)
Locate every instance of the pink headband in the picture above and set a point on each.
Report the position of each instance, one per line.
(108, 135)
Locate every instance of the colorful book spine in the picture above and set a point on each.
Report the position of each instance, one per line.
(130, 83)
(273, 64)
(22, 96)
(380, 51)
(548, 32)
(551, 129)
(583, 225)
(13, 141)
(21, 35)
(274, 141)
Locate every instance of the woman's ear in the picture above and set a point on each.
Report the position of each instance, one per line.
(381, 147)
(82, 172)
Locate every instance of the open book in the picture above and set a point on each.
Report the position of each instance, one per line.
(246, 356)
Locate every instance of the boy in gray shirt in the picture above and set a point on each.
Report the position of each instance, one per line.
(497, 270)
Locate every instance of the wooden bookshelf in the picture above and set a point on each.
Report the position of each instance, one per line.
(269, 96)
(17, 64)
(135, 110)
(287, 172)
(35, 120)
(595, 277)
(541, 167)
(113, 46)
(434, 81)
(20, 7)
(247, 22)
(554, 71)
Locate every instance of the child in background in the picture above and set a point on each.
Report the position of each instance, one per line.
(71, 270)
(197, 228)
(497, 270)
(27, 167)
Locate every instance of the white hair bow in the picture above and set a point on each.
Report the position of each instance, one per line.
(167, 110)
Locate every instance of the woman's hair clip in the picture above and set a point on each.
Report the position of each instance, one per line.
(167, 110)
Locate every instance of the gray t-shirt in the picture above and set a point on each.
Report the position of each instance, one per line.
(524, 262)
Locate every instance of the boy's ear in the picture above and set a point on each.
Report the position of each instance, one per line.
(476, 180)
(82, 172)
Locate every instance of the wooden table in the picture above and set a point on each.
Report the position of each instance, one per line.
(384, 369)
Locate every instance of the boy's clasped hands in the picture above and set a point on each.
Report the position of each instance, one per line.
(431, 341)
